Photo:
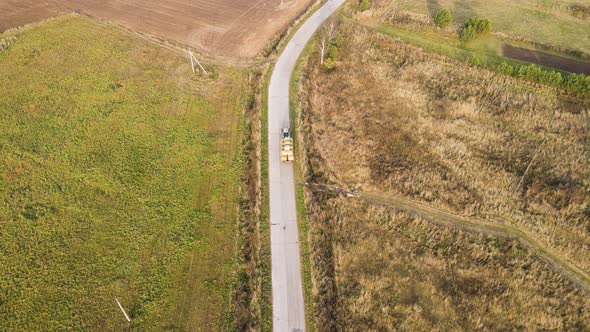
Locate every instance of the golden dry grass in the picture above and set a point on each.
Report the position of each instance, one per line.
(395, 119)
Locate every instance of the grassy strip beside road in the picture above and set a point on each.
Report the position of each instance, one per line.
(497, 228)
(302, 219)
(265, 258)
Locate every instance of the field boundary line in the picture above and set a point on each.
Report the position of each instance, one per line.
(500, 228)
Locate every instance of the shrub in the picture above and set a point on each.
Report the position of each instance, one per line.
(474, 61)
(329, 63)
(333, 51)
(364, 5)
(474, 26)
(467, 34)
(481, 25)
(530, 72)
(443, 18)
(505, 68)
(578, 83)
(552, 78)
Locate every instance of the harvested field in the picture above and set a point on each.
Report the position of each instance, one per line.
(222, 28)
(547, 60)
(455, 137)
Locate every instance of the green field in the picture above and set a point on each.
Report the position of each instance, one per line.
(544, 21)
(119, 178)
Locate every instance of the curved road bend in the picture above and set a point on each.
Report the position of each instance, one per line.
(287, 292)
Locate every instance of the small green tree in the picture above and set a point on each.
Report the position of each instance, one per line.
(481, 25)
(473, 27)
(329, 63)
(505, 69)
(530, 72)
(443, 18)
(578, 83)
(468, 33)
(365, 4)
(552, 77)
(474, 61)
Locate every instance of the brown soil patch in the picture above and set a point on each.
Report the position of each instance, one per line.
(223, 28)
(547, 60)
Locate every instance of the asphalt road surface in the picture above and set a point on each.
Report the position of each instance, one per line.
(287, 292)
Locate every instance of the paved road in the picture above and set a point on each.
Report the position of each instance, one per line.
(287, 293)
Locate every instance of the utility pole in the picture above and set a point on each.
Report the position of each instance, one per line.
(123, 310)
(193, 60)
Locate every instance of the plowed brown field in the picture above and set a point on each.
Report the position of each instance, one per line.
(223, 28)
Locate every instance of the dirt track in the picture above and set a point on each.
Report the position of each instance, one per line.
(223, 28)
(498, 228)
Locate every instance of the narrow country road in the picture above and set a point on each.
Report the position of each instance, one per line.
(287, 292)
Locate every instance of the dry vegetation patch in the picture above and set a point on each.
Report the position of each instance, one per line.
(393, 118)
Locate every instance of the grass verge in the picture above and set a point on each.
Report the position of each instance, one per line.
(302, 219)
(265, 253)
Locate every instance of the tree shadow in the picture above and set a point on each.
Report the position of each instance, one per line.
(433, 7)
(461, 9)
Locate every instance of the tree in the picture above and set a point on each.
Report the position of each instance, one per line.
(443, 18)
(325, 38)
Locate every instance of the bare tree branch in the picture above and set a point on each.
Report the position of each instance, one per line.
(325, 38)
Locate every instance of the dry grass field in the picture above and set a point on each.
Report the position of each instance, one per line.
(221, 28)
(392, 118)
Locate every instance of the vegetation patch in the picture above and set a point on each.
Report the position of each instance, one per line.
(548, 22)
(580, 11)
(119, 178)
(453, 136)
(547, 60)
(443, 18)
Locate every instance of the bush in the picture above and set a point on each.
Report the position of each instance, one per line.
(333, 52)
(530, 72)
(474, 26)
(467, 34)
(481, 25)
(552, 78)
(474, 61)
(329, 63)
(578, 83)
(364, 5)
(443, 18)
(505, 69)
